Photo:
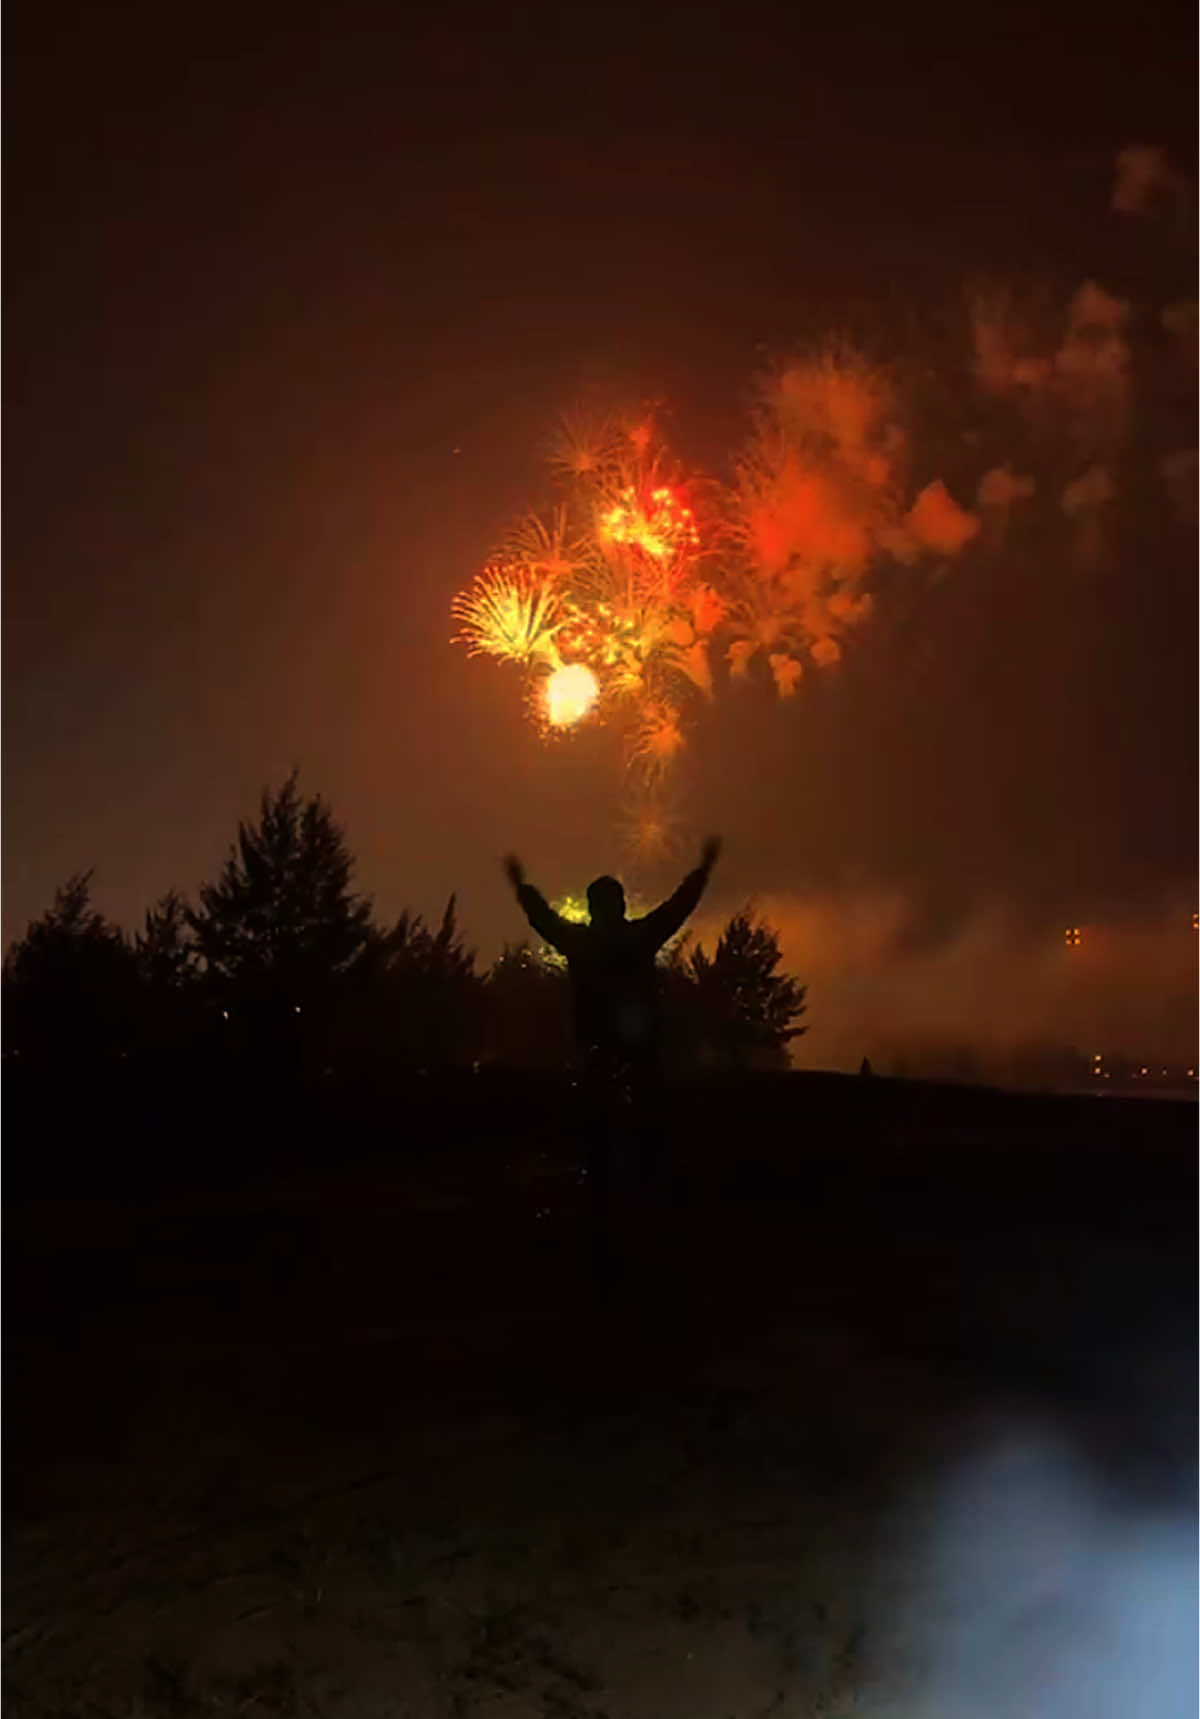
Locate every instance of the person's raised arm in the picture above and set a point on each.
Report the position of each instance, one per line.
(664, 921)
(550, 926)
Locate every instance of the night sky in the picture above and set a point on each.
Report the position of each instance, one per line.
(291, 307)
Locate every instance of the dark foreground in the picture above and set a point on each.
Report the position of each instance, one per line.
(889, 1410)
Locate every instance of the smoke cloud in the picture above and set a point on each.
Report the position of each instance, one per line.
(985, 999)
(1144, 176)
(1041, 1598)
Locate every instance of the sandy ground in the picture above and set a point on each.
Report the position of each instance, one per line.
(379, 1446)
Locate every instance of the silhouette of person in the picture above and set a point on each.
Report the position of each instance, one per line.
(615, 1003)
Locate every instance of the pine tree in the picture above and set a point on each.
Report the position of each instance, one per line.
(281, 928)
(417, 994)
(168, 970)
(70, 984)
(527, 1012)
(165, 948)
(746, 1009)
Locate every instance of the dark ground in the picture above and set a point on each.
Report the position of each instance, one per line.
(891, 1410)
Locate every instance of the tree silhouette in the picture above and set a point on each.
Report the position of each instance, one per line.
(414, 995)
(745, 1008)
(70, 984)
(527, 1011)
(165, 948)
(168, 969)
(281, 930)
(683, 1027)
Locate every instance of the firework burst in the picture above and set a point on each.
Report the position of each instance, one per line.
(602, 596)
(646, 587)
(819, 500)
(656, 741)
(547, 548)
(588, 448)
(568, 694)
(509, 613)
(657, 525)
(651, 830)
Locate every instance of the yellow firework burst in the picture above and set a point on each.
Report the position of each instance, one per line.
(509, 613)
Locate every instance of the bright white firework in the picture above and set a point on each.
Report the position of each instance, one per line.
(570, 693)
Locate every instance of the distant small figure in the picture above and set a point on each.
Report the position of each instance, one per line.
(615, 1003)
(864, 1066)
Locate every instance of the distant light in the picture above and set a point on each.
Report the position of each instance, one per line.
(224, 1014)
(297, 1008)
(1145, 1071)
(1191, 1074)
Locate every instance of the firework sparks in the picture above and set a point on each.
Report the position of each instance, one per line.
(603, 594)
(587, 447)
(658, 525)
(546, 549)
(818, 492)
(650, 830)
(624, 608)
(570, 693)
(625, 612)
(508, 613)
(656, 741)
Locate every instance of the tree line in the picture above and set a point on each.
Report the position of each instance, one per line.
(281, 965)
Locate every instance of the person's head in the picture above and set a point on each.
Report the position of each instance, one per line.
(606, 901)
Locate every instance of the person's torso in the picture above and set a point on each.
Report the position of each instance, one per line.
(614, 985)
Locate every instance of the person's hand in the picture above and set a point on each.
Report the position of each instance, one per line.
(710, 853)
(514, 871)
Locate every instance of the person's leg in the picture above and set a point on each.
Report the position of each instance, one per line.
(648, 1122)
(595, 1129)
